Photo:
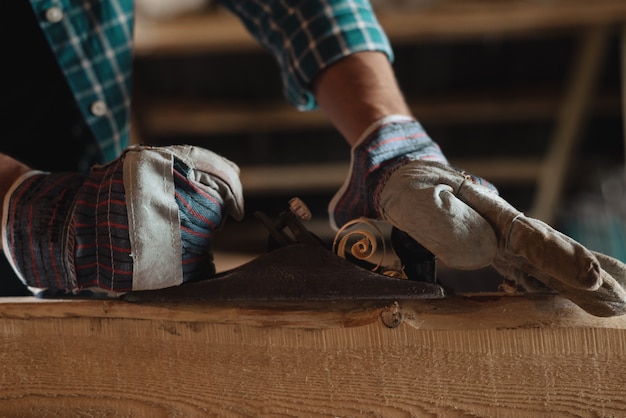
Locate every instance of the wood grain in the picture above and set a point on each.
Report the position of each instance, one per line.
(461, 356)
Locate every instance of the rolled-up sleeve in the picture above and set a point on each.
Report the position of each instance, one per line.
(305, 36)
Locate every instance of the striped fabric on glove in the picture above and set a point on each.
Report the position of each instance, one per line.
(143, 221)
(384, 147)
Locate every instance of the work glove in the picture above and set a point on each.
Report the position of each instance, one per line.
(399, 175)
(143, 221)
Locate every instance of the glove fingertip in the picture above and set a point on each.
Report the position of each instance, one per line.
(607, 301)
(554, 253)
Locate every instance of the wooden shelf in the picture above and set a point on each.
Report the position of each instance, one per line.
(174, 116)
(324, 177)
(219, 31)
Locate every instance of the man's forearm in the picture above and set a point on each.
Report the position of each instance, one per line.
(10, 170)
(358, 90)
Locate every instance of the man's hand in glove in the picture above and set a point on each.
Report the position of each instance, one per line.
(398, 174)
(143, 221)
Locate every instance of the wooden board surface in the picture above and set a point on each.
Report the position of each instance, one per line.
(479, 356)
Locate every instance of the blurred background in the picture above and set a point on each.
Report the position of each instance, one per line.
(527, 94)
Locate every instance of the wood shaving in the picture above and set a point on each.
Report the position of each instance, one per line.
(360, 238)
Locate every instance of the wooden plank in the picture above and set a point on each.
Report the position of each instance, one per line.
(475, 356)
(479, 18)
(195, 117)
(301, 178)
(174, 116)
(295, 178)
(220, 31)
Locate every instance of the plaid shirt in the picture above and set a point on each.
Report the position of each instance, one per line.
(305, 36)
(92, 41)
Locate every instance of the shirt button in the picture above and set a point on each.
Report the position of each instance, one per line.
(54, 15)
(98, 108)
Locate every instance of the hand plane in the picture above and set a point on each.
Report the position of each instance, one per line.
(299, 266)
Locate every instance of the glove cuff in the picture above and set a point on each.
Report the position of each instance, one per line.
(386, 145)
(36, 214)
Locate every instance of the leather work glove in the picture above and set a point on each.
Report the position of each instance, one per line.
(143, 221)
(399, 175)
(421, 203)
(535, 256)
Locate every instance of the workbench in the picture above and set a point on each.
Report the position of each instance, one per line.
(505, 356)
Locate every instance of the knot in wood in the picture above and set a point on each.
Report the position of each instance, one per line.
(391, 317)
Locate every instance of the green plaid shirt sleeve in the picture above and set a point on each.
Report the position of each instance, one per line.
(305, 36)
(92, 41)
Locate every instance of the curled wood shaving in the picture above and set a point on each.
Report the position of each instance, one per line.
(363, 241)
(360, 238)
